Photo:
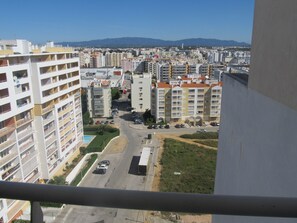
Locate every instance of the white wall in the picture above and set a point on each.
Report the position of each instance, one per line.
(257, 148)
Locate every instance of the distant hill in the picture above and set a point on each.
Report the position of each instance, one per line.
(149, 42)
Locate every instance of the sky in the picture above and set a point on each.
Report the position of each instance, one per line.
(80, 20)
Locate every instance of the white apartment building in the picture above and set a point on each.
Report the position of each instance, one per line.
(99, 99)
(141, 92)
(40, 116)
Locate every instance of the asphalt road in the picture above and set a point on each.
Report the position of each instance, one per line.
(121, 173)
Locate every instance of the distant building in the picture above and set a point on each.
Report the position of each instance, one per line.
(186, 101)
(141, 92)
(99, 99)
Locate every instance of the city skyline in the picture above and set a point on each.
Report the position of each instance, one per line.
(167, 20)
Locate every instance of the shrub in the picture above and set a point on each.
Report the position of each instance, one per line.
(201, 135)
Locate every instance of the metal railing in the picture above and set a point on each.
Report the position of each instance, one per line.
(144, 200)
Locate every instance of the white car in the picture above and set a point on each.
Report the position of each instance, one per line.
(102, 168)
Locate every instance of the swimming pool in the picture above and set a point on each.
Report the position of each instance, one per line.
(88, 138)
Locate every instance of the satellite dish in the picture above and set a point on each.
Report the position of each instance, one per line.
(15, 78)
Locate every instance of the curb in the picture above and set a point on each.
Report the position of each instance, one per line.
(99, 153)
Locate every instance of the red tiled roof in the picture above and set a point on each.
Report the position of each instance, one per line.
(194, 85)
(218, 84)
(163, 85)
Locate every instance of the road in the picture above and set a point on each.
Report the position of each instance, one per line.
(116, 177)
(121, 173)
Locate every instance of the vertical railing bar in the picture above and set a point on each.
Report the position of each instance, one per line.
(36, 212)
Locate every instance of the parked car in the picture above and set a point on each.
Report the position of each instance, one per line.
(97, 122)
(177, 126)
(104, 162)
(214, 124)
(167, 126)
(201, 130)
(106, 122)
(155, 126)
(102, 167)
(111, 122)
(150, 127)
(137, 121)
(182, 126)
(161, 126)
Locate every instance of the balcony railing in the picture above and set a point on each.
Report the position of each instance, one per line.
(144, 200)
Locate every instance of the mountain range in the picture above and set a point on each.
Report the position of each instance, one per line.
(149, 42)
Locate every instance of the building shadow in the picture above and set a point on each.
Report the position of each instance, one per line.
(134, 165)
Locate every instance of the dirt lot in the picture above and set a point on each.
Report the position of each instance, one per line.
(156, 182)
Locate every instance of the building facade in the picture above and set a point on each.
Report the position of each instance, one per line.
(191, 102)
(257, 144)
(40, 116)
(99, 99)
(141, 92)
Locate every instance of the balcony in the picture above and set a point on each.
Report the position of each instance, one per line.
(26, 145)
(34, 178)
(7, 144)
(30, 166)
(25, 132)
(144, 200)
(7, 158)
(6, 130)
(50, 140)
(23, 121)
(47, 109)
(10, 171)
(29, 157)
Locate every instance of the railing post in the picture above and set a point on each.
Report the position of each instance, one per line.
(36, 212)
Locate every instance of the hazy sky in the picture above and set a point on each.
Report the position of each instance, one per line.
(63, 20)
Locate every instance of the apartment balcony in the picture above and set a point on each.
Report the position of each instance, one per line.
(158, 201)
(7, 158)
(25, 133)
(47, 109)
(30, 166)
(49, 130)
(50, 141)
(23, 121)
(26, 145)
(6, 144)
(64, 111)
(29, 157)
(51, 151)
(48, 119)
(10, 171)
(33, 178)
(7, 130)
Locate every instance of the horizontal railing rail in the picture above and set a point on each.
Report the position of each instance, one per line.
(144, 200)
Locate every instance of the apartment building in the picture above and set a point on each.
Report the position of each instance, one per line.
(99, 98)
(141, 92)
(186, 101)
(40, 115)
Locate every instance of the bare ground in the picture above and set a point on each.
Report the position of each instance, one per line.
(184, 218)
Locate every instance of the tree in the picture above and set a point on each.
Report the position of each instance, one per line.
(58, 180)
(115, 93)
(86, 118)
(148, 117)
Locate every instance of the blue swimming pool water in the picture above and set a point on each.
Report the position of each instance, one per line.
(87, 139)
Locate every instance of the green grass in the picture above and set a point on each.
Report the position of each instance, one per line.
(196, 165)
(101, 140)
(81, 174)
(208, 142)
(201, 135)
